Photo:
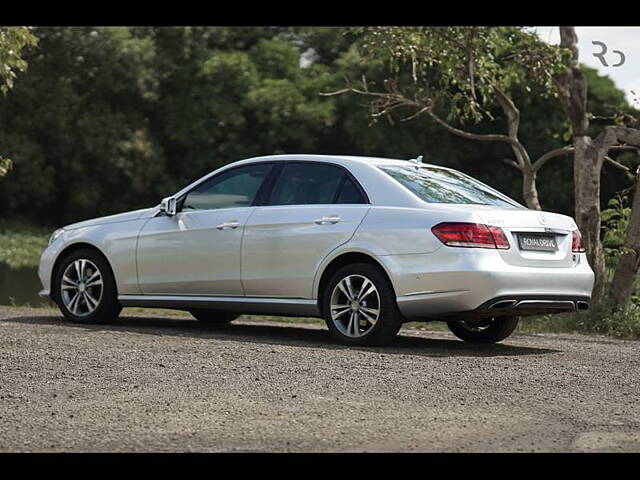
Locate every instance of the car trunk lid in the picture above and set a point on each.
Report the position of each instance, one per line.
(537, 239)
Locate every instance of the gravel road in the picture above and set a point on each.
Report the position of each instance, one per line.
(152, 383)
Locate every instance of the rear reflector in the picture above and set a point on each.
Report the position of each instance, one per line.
(471, 235)
(576, 242)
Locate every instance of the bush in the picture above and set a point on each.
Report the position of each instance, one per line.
(603, 320)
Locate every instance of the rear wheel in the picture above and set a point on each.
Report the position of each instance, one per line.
(485, 330)
(359, 306)
(84, 288)
(213, 316)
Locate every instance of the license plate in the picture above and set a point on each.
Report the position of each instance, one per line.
(541, 242)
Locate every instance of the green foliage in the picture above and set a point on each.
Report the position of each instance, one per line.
(111, 119)
(81, 143)
(615, 219)
(5, 166)
(606, 104)
(460, 68)
(229, 93)
(130, 115)
(13, 41)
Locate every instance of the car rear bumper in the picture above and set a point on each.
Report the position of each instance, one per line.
(528, 305)
(436, 286)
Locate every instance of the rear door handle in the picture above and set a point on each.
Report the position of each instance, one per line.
(228, 225)
(327, 220)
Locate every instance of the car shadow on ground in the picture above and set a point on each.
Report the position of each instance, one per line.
(407, 342)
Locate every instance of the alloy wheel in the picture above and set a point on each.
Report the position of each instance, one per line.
(355, 305)
(81, 287)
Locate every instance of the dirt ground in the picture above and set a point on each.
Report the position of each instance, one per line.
(153, 383)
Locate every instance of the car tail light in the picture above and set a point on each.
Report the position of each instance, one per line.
(576, 242)
(471, 235)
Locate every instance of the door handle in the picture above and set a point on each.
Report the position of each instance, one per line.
(327, 220)
(228, 225)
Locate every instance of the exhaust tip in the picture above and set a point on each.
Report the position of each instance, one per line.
(503, 304)
(581, 305)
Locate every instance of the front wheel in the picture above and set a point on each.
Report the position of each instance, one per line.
(84, 288)
(359, 306)
(486, 330)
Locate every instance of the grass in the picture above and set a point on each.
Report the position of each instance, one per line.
(21, 245)
(604, 320)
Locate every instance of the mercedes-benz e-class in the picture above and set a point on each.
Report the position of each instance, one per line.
(365, 243)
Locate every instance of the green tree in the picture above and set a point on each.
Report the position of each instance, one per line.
(111, 119)
(13, 42)
(227, 93)
(77, 127)
(459, 74)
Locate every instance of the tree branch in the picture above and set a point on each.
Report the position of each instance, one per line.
(511, 163)
(469, 135)
(391, 101)
(471, 63)
(623, 147)
(513, 124)
(627, 135)
(537, 165)
(419, 112)
(619, 166)
(510, 110)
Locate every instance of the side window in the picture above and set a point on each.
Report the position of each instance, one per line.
(306, 184)
(236, 188)
(349, 193)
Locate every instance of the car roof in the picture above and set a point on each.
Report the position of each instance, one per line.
(381, 189)
(344, 159)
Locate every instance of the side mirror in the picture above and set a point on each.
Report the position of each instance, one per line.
(169, 206)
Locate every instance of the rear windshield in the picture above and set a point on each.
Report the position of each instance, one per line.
(438, 185)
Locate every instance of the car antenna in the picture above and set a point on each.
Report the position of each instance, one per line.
(416, 161)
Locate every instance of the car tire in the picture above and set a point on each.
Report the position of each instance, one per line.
(84, 288)
(348, 311)
(497, 329)
(213, 316)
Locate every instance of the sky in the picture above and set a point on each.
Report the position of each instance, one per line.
(625, 39)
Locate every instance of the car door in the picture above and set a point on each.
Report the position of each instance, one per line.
(312, 209)
(197, 251)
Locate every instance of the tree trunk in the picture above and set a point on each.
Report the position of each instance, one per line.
(630, 258)
(586, 181)
(587, 160)
(529, 190)
(523, 161)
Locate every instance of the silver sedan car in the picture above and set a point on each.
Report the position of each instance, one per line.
(365, 243)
